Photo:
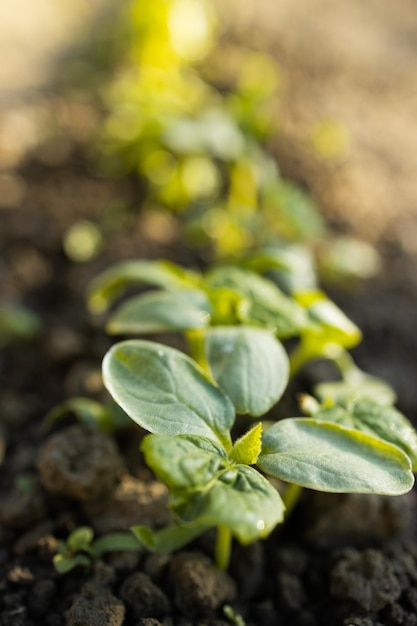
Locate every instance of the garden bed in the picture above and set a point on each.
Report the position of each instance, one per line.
(340, 559)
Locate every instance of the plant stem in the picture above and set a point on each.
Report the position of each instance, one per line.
(291, 497)
(223, 547)
(298, 358)
(196, 346)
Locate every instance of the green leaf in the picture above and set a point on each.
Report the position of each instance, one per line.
(247, 449)
(330, 457)
(242, 500)
(112, 282)
(64, 564)
(208, 490)
(161, 311)
(115, 542)
(388, 423)
(266, 306)
(89, 412)
(185, 461)
(164, 391)
(330, 324)
(250, 365)
(369, 416)
(80, 539)
(290, 266)
(167, 539)
(365, 386)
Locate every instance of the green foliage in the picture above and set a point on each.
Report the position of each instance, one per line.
(193, 128)
(81, 549)
(369, 416)
(107, 417)
(213, 482)
(249, 364)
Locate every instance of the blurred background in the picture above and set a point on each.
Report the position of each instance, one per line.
(213, 123)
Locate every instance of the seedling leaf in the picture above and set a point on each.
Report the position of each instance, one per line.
(161, 311)
(388, 423)
(267, 306)
(115, 542)
(91, 413)
(329, 323)
(80, 539)
(250, 365)
(164, 391)
(184, 462)
(112, 282)
(64, 564)
(247, 449)
(242, 500)
(208, 490)
(167, 539)
(365, 386)
(330, 457)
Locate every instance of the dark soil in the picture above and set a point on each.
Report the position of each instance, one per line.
(341, 560)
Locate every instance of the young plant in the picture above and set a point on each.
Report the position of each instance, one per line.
(80, 549)
(107, 417)
(217, 482)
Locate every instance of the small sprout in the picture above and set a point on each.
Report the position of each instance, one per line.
(82, 550)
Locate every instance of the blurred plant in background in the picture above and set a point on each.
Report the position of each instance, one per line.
(188, 109)
(189, 114)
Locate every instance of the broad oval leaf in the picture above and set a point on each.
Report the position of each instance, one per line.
(183, 461)
(388, 423)
(161, 311)
(106, 287)
(329, 457)
(267, 306)
(247, 504)
(165, 391)
(249, 364)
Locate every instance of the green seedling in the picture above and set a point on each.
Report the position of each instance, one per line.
(81, 549)
(217, 482)
(107, 417)
(190, 301)
(195, 304)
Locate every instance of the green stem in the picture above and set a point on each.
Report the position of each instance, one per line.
(347, 367)
(197, 349)
(299, 357)
(223, 547)
(291, 497)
